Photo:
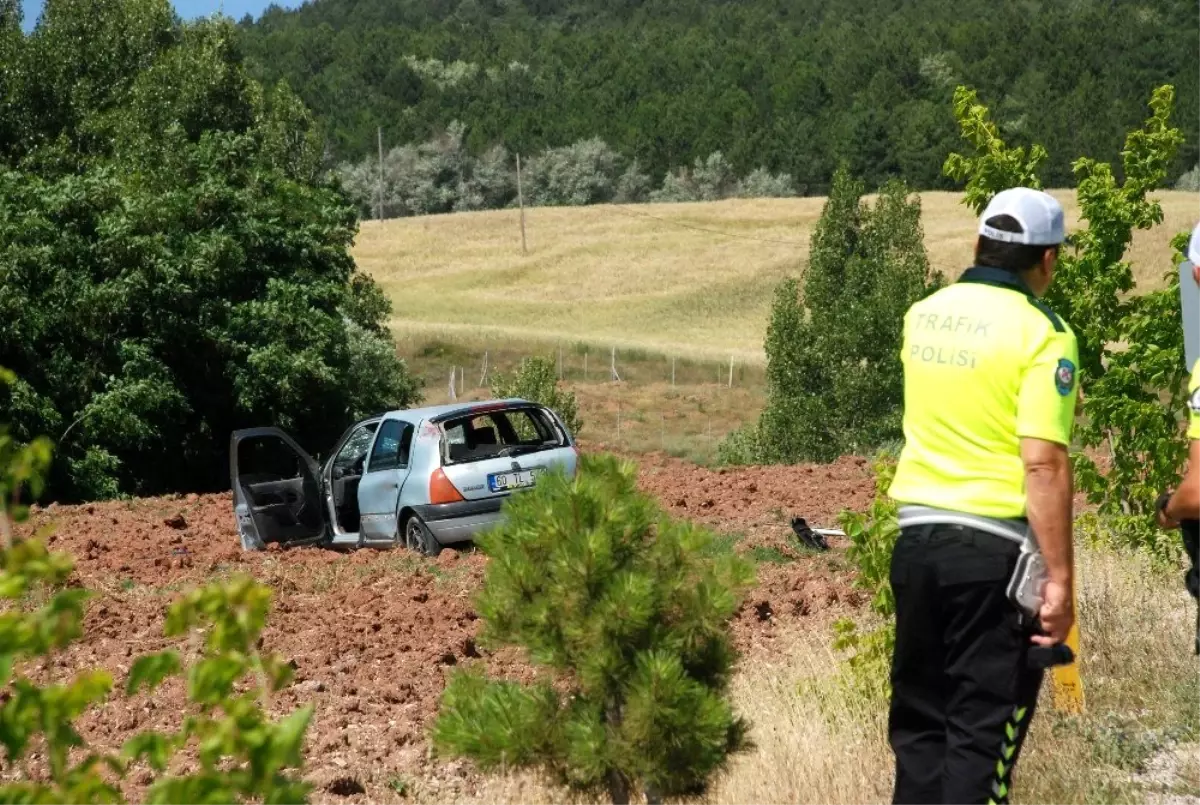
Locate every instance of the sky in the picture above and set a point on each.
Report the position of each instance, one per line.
(188, 9)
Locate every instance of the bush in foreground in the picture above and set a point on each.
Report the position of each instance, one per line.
(629, 612)
(243, 756)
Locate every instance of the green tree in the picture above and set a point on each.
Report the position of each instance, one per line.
(834, 379)
(173, 266)
(1132, 374)
(628, 610)
(537, 381)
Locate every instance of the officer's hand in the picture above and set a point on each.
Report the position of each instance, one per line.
(1160, 513)
(1057, 614)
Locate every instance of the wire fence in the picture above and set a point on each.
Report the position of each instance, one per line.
(629, 399)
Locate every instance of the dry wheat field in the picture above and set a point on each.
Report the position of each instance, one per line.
(686, 279)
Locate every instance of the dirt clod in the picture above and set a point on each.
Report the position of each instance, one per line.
(177, 521)
(763, 610)
(345, 787)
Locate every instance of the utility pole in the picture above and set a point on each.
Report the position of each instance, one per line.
(521, 203)
(379, 209)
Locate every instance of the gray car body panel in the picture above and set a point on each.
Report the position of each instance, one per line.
(388, 496)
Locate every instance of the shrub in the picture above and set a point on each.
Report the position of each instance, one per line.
(1189, 181)
(633, 186)
(578, 174)
(629, 614)
(872, 537)
(761, 183)
(709, 179)
(242, 753)
(834, 378)
(536, 380)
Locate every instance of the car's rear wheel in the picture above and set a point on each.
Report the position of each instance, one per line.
(418, 537)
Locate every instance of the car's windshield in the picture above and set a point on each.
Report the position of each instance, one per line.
(496, 434)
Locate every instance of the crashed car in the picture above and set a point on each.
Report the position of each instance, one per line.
(422, 478)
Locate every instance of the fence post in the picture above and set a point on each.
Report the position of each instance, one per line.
(462, 378)
(453, 394)
(521, 202)
(730, 371)
(483, 376)
(613, 366)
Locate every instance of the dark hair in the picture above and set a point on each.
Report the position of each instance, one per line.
(1014, 257)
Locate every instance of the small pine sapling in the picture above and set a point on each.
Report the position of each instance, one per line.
(628, 611)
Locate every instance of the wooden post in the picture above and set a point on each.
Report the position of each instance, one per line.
(379, 209)
(453, 395)
(521, 203)
(483, 377)
(730, 371)
(672, 371)
(462, 378)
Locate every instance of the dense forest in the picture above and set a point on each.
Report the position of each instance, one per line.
(792, 86)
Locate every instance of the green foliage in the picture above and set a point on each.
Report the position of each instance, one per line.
(22, 467)
(872, 537)
(834, 379)
(791, 86)
(628, 611)
(536, 380)
(442, 175)
(173, 264)
(994, 166)
(1133, 374)
(1137, 533)
(243, 755)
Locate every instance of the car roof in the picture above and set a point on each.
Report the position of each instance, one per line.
(451, 409)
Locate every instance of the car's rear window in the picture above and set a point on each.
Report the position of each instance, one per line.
(495, 434)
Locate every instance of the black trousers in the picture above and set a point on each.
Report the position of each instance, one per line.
(962, 695)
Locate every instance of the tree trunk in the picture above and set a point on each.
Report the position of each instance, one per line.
(618, 787)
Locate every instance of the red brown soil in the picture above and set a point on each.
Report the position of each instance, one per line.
(373, 634)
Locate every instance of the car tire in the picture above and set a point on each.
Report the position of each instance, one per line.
(417, 537)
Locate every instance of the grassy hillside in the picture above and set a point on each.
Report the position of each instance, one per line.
(688, 279)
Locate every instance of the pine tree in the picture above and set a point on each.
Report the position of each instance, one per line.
(629, 611)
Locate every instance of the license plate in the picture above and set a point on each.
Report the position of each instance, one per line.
(507, 481)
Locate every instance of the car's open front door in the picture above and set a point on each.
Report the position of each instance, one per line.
(276, 494)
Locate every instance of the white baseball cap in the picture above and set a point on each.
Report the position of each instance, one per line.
(1038, 213)
(1193, 251)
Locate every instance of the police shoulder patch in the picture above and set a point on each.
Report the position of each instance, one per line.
(1064, 376)
(1194, 401)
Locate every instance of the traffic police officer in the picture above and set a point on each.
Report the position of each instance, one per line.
(1184, 504)
(989, 403)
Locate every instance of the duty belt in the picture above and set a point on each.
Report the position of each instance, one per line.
(1015, 529)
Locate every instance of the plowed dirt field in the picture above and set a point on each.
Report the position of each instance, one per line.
(373, 634)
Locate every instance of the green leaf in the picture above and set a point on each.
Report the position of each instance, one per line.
(150, 670)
